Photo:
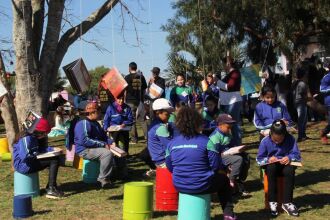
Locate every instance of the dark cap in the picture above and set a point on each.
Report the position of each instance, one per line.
(225, 119)
(155, 70)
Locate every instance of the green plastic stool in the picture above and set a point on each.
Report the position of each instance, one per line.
(91, 171)
(194, 207)
(138, 201)
(26, 184)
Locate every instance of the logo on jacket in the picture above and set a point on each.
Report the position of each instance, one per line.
(279, 110)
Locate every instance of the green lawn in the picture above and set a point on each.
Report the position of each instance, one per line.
(311, 195)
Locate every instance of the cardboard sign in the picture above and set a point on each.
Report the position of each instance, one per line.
(114, 82)
(31, 122)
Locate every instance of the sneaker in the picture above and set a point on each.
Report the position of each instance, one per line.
(290, 208)
(105, 183)
(273, 208)
(150, 173)
(229, 217)
(54, 193)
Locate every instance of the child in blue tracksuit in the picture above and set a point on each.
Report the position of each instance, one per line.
(276, 151)
(270, 110)
(92, 143)
(210, 113)
(325, 90)
(195, 163)
(239, 163)
(25, 161)
(159, 133)
(212, 89)
(119, 113)
(181, 92)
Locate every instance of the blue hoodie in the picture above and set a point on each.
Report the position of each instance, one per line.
(159, 135)
(268, 148)
(325, 88)
(265, 114)
(193, 163)
(89, 134)
(182, 94)
(113, 117)
(24, 154)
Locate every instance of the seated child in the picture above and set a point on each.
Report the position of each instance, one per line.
(276, 151)
(210, 113)
(25, 150)
(62, 122)
(270, 110)
(119, 113)
(239, 164)
(172, 117)
(212, 89)
(195, 164)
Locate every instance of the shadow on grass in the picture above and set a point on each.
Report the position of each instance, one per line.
(253, 185)
(312, 177)
(158, 214)
(72, 188)
(116, 197)
(312, 201)
(252, 215)
(41, 212)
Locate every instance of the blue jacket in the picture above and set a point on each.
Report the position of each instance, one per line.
(113, 117)
(24, 154)
(268, 148)
(212, 90)
(221, 141)
(182, 94)
(89, 134)
(265, 114)
(159, 135)
(193, 163)
(325, 88)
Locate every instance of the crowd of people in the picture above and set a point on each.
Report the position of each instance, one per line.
(188, 134)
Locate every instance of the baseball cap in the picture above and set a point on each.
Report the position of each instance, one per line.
(91, 107)
(155, 70)
(161, 104)
(225, 119)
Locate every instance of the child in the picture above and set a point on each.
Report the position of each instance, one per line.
(181, 92)
(159, 133)
(300, 89)
(210, 114)
(270, 110)
(62, 122)
(239, 163)
(276, 151)
(325, 90)
(25, 161)
(211, 90)
(195, 162)
(119, 114)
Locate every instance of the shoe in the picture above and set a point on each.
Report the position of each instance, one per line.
(105, 183)
(229, 217)
(290, 208)
(273, 208)
(54, 193)
(324, 140)
(303, 139)
(150, 173)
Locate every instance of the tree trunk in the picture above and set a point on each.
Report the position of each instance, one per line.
(8, 112)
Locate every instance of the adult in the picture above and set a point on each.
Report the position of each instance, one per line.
(159, 81)
(92, 142)
(230, 98)
(134, 93)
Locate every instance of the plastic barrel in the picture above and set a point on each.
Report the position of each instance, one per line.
(166, 194)
(22, 206)
(194, 207)
(69, 156)
(3, 146)
(26, 184)
(280, 191)
(6, 157)
(91, 171)
(138, 201)
(77, 162)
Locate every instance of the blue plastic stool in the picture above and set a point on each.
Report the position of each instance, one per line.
(22, 206)
(26, 184)
(194, 207)
(91, 171)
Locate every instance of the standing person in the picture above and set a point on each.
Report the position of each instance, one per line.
(92, 143)
(299, 90)
(230, 97)
(25, 161)
(134, 94)
(181, 92)
(195, 163)
(325, 90)
(212, 88)
(119, 114)
(239, 163)
(276, 151)
(159, 81)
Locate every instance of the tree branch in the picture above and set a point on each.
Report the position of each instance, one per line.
(255, 33)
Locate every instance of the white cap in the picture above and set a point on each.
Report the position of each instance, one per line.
(161, 104)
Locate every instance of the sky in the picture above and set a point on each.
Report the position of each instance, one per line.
(153, 49)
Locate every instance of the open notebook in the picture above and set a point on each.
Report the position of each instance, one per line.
(52, 152)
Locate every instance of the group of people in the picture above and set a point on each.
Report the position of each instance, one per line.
(188, 140)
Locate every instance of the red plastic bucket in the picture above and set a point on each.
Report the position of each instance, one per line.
(166, 194)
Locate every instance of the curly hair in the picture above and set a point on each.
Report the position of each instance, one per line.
(188, 121)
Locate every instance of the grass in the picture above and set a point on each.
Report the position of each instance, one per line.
(311, 194)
